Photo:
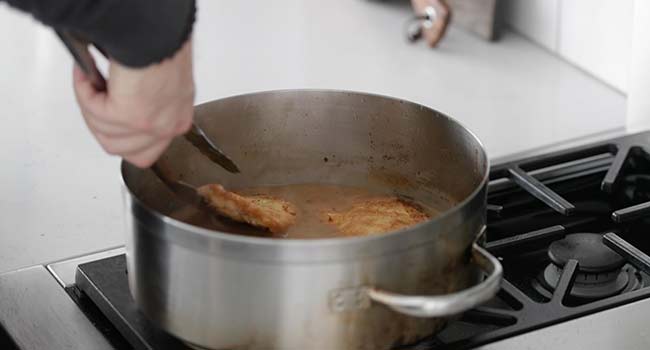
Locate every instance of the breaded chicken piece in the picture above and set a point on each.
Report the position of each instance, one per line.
(377, 215)
(267, 212)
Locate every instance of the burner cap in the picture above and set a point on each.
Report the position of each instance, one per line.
(589, 286)
(590, 251)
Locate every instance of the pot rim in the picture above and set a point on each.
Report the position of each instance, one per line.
(317, 242)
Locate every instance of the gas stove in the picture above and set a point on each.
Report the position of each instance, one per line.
(571, 229)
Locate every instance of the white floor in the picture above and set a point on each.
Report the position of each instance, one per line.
(60, 195)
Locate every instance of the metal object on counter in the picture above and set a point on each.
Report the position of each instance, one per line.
(79, 49)
(477, 17)
(304, 293)
(417, 23)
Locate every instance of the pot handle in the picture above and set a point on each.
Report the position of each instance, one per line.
(449, 304)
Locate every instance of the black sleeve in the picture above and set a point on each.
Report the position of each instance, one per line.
(136, 33)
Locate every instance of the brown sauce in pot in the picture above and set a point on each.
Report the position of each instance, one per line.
(313, 202)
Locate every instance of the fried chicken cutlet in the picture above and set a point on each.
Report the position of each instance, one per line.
(267, 212)
(377, 215)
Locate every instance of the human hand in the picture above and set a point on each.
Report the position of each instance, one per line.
(142, 109)
(434, 29)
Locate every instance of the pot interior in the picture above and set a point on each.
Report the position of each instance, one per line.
(325, 137)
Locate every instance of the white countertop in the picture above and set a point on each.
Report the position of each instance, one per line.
(60, 195)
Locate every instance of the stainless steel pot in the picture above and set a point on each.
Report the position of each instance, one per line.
(224, 291)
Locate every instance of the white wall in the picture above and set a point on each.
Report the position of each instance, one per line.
(638, 100)
(595, 35)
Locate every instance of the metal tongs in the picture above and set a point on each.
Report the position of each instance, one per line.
(78, 47)
(79, 50)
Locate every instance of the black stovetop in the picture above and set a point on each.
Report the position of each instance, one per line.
(551, 221)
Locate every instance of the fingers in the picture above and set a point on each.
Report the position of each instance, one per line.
(108, 128)
(116, 118)
(126, 145)
(86, 95)
(139, 148)
(147, 157)
(184, 124)
(142, 109)
(173, 122)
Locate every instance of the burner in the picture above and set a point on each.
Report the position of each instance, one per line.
(590, 251)
(601, 271)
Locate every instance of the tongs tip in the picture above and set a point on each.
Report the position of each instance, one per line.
(230, 166)
(197, 137)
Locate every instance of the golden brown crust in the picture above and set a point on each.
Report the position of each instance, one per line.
(267, 212)
(377, 215)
